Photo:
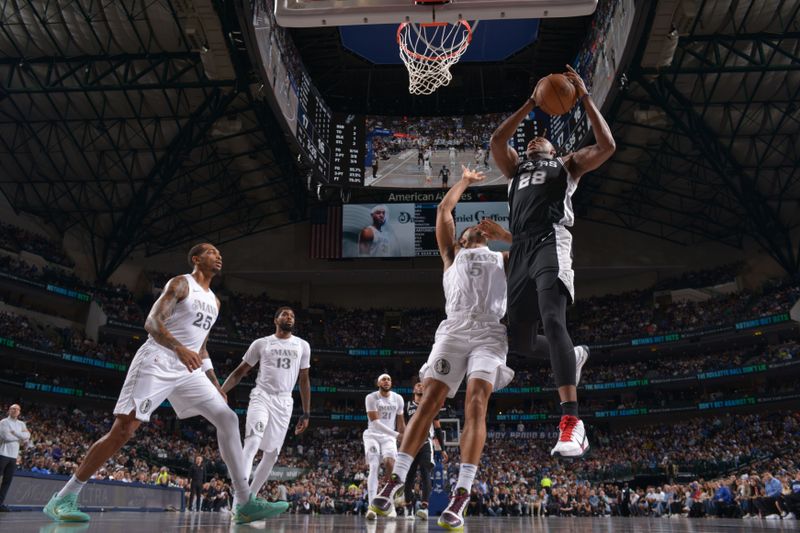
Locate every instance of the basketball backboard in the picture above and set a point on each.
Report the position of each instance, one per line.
(311, 13)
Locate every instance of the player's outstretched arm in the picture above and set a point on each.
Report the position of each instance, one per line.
(305, 397)
(505, 156)
(445, 225)
(176, 290)
(236, 376)
(591, 157)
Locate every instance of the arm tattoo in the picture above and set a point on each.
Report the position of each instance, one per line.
(177, 289)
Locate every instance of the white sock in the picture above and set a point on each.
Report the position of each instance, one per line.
(263, 470)
(73, 486)
(401, 465)
(466, 475)
(250, 450)
(230, 446)
(372, 480)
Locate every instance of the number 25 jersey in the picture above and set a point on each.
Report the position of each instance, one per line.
(281, 361)
(192, 318)
(540, 195)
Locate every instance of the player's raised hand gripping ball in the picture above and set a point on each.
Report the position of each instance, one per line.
(556, 94)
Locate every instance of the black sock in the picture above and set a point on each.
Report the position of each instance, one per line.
(569, 408)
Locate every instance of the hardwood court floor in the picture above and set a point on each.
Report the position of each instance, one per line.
(163, 522)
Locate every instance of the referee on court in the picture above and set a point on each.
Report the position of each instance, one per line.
(13, 432)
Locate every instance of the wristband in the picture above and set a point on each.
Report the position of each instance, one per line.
(584, 96)
(305, 416)
(206, 366)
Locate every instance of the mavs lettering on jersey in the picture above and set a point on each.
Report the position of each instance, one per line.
(540, 195)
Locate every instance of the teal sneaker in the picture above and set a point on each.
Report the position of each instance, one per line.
(258, 509)
(65, 509)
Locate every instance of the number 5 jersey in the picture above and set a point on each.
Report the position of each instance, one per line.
(475, 285)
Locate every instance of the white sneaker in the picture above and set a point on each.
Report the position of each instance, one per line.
(371, 515)
(572, 441)
(581, 356)
(773, 517)
(422, 514)
(789, 516)
(409, 516)
(392, 513)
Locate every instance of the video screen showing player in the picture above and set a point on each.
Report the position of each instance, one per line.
(408, 149)
(378, 230)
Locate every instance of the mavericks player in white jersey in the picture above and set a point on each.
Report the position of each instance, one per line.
(471, 342)
(173, 364)
(282, 357)
(386, 425)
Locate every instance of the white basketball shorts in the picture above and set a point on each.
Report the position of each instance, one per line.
(377, 446)
(463, 347)
(156, 375)
(268, 418)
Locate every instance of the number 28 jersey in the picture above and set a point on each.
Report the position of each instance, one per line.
(540, 195)
(281, 361)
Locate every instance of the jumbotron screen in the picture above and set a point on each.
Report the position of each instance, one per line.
(428, 152)
(408, 229)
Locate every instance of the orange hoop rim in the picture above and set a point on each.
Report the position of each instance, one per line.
(415, 55)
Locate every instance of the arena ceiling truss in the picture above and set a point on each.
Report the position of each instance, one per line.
(708, 129)
(140, 123)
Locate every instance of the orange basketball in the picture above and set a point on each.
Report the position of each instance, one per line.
(555, 94)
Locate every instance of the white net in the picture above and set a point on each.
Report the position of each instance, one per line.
(429, 50)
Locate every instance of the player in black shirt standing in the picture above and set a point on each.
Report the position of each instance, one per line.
(540, 275)
(424, 458)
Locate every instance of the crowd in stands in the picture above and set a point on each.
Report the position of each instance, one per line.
(116, 300)
(16, 239)
(697, 279)
(594, 320)
(528, 373)
(28, 333)
(517, 476)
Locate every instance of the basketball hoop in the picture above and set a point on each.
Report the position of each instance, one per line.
(429, 49)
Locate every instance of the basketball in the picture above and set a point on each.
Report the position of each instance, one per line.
(555, 94)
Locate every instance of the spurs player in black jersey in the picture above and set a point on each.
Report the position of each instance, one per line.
(424, 458)
(540, 275)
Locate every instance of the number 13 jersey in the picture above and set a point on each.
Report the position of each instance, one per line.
(540, 195)
(475, 285)
(281, 361)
